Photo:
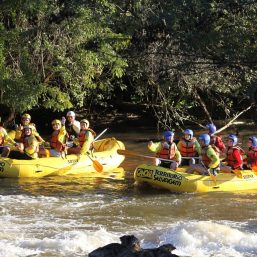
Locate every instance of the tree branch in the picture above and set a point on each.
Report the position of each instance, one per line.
(233, 119)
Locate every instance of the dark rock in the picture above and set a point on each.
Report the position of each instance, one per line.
(130, 247)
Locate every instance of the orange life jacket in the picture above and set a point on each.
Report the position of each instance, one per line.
(167, 152)
(82, 135)
(54, 143)
(230, 157)
(187, 148)
(252, 156)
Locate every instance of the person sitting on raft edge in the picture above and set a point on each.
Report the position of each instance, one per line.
(84, 143)
(166, 149)
(5, 139)
(188, 147)
(26, 121)
(250, 162)
(72, 126)
(57, 140)
(216, 140)
(28, 148)
(209, 160)
(234, 156)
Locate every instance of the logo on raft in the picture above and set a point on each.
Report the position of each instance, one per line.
(166, 177)
(72, 161)
(248, 176)
(159, 175)
(144, 173)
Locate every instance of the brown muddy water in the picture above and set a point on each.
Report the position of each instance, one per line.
(71, 216)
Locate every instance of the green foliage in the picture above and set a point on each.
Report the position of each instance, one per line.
(193, 54)
(57, 53)
(176, 56)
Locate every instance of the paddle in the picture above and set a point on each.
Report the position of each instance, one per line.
(132, 154)
(100, 134)
(213, 177)
(96, 164)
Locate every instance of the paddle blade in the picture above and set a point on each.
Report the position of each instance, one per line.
(238, 173)
(97, 166)
(213, 177)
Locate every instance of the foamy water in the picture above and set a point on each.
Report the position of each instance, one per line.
(64, 226)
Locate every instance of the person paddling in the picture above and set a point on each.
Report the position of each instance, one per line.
(188, 146)
(234, 156)
(85, 140)
(166, 149)
(209, 160)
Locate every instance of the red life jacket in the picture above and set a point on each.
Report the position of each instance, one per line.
(217, 141)
(54, 143)
(167, 152)
(252, 156)
(232, 161)
(82, 135)
(187, 148)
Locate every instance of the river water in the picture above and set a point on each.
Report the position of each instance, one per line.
(71, 216)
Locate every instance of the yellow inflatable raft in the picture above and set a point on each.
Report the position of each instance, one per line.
(105, 154)
(180, 181)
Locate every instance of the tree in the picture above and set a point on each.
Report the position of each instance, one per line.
(58, 54)
(193, 55)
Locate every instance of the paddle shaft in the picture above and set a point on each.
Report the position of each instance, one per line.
(130, 153)
(96, 164)
(213, 177)
(100, 134)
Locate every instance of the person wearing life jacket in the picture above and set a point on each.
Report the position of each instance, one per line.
(26, 121)
(188, 147)
(209, 160)
(28, 148)
(72, 126)
(85, 140)
(251, 156)
(166, 149)
(215, 139)
(5, 140)
(234, 156)
(58, 139)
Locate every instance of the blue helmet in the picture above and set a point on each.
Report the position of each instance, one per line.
(233, 138)
(211, 127)
(189, 132)
(206, 138)
(254, 141)
(168, 134)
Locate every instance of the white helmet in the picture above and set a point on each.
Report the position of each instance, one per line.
(70, 113)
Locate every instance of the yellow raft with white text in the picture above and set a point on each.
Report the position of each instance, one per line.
(105, 153)
(180, 181)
